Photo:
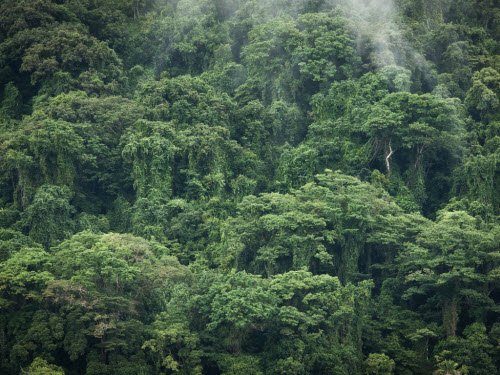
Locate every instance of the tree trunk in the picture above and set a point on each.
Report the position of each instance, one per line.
(418, 158)
(450, 316)
(389, 151)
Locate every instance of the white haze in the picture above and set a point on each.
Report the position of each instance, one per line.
(373, 22)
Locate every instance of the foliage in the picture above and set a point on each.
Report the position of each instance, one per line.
(249, 187)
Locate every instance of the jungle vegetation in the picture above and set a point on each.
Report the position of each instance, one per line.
(249, 187)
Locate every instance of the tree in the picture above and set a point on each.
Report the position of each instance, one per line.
(452, 265)
(49, 218)
(379, 364)
(40, 367)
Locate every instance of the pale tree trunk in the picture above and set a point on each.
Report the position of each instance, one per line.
(389, 151)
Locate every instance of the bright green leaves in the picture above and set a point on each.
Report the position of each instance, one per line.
(240, 302)
(418, 122)
(219, 155)
(235, 317)
(92, 291)
(328, 51)
(379, 364)
(273, 234)
(324, 226)
(174, 346)
(40, 367)
(114, 264)
(23, 276)
(317, 309)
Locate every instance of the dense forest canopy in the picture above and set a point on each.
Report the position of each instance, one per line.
(250, 187)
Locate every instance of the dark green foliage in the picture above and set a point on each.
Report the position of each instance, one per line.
(249, 187)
